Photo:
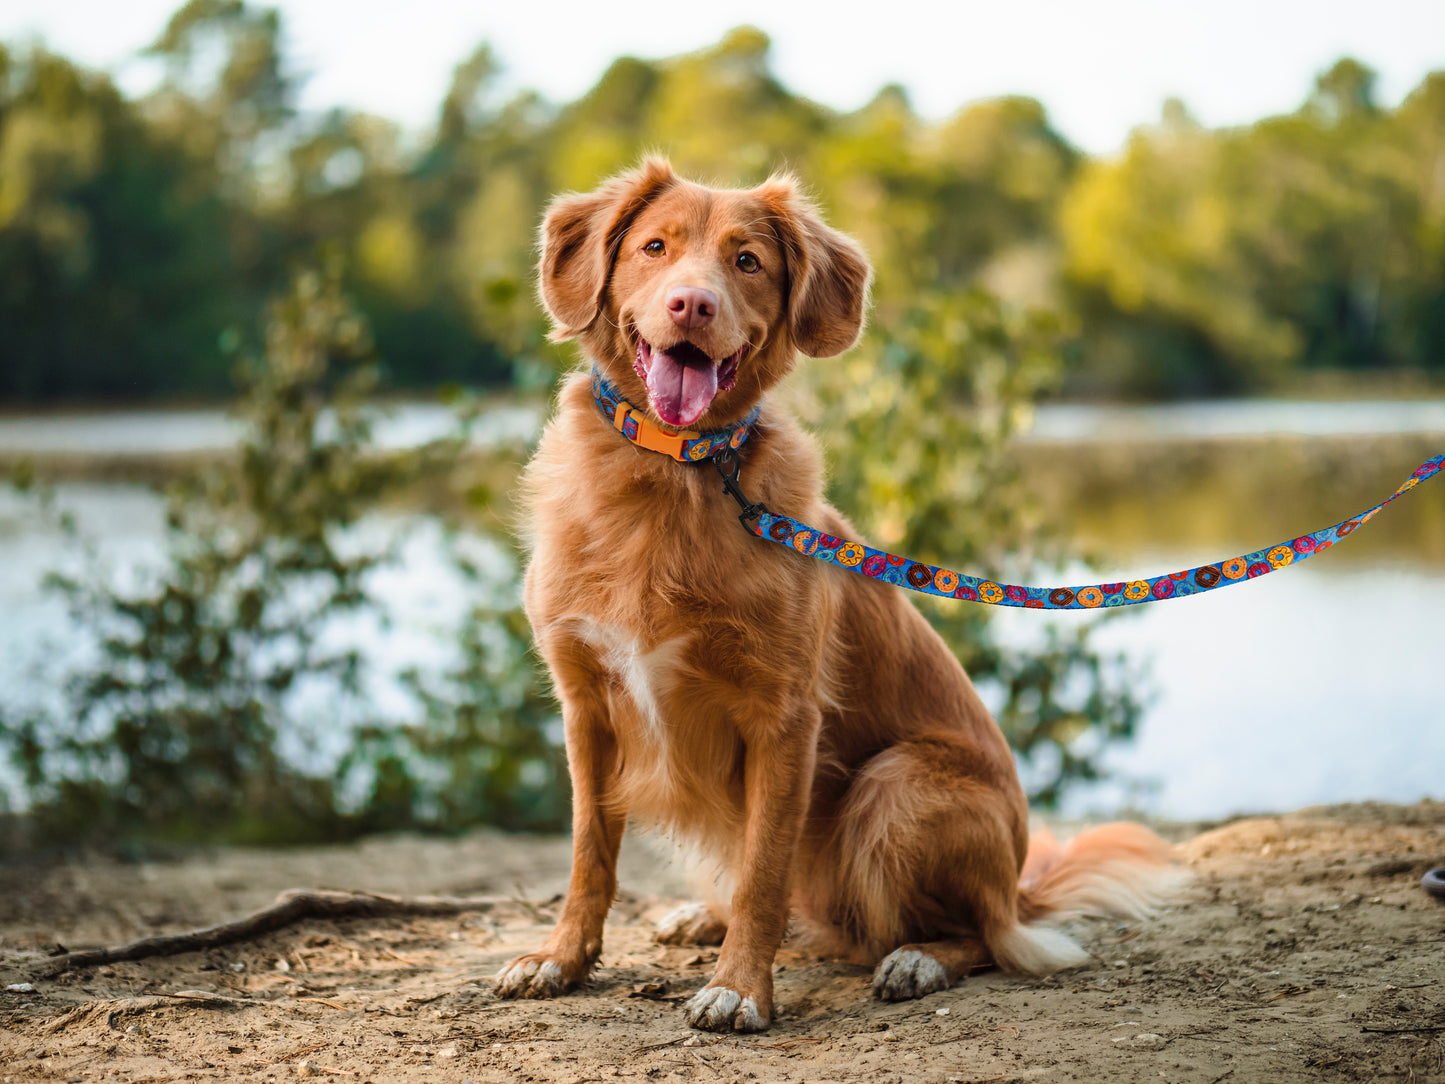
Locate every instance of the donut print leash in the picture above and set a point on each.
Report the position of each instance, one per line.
(720, 449)
(946, 583)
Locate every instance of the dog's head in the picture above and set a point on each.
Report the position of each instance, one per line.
(696, 300)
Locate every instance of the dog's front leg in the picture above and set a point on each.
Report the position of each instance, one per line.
(567, 956)
(778, 775)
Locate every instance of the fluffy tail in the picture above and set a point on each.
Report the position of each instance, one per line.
(1114, 871)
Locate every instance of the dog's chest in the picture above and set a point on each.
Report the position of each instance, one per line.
(647, 675)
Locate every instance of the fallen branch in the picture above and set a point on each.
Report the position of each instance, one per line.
(112, 1010)
(290, 907)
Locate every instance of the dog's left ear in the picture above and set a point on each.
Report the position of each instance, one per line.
(828, 273)
(580, 237)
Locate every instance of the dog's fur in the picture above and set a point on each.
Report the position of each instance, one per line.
(801, 725)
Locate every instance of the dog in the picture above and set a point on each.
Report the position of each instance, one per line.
(803, 728)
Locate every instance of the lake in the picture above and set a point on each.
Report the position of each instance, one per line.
(1316, 685)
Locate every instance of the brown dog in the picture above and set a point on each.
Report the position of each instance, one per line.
(801, 726)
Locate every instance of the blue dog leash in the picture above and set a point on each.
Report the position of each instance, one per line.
(720, 447)
(946, 583)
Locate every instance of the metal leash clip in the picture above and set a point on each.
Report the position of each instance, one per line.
(729, 466)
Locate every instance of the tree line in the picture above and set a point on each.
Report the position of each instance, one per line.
(139, 238)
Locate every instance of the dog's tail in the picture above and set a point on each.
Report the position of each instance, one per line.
(1113, 871)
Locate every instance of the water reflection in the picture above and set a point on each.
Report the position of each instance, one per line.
(1315, 685)
(1221, 498)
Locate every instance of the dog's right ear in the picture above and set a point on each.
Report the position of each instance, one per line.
(580, 238)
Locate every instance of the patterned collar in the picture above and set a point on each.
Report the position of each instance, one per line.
(684, 446)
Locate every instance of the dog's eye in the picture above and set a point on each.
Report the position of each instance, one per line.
(748, 263)
(655, 247)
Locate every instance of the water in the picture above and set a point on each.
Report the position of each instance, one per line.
(410, 424)
(182, 432)
(1232, 419)
(423, 601)
(1310, 686)
(1321, 684)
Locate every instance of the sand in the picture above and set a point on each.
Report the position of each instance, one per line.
(1305, 950)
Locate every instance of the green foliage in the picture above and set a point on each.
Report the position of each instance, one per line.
(179, 726)
(1303, 242)
(920, 419)
(109, 264)
(135, 234)
(191, 723)
(488, 750)
(225, 110)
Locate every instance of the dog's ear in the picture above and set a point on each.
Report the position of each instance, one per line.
(828, 273)
(580, 239)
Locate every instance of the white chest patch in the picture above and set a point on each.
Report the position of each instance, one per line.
(646, 675)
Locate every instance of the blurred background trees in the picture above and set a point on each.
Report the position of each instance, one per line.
(136, 235)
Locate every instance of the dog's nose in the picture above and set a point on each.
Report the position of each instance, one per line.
(691, 307)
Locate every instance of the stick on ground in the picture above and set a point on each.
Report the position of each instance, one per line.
(290, 907)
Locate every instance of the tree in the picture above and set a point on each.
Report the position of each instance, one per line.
(1344, 94)
(225, 110)
(111, 282)
(1240, 258)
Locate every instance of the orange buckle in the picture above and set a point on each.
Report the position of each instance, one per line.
(652, 438)
(658, 440)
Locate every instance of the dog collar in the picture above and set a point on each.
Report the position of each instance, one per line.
(685, 446)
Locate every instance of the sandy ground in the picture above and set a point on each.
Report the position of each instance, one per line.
(1304, 951)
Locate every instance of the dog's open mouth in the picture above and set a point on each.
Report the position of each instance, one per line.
(682, 380)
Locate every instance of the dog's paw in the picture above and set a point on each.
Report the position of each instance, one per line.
(718, 1008)
(532, 976)
(908, 973)
(690, 924)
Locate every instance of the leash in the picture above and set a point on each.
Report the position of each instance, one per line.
(720, 447)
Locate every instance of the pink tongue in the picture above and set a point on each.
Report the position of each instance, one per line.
(680, 393)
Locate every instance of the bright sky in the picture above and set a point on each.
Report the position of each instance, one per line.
(1101, 67)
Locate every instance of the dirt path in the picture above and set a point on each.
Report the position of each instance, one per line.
(1305, 951)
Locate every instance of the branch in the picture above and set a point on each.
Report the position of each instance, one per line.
(112, 1010)
(1402, 1031)
(290, 907)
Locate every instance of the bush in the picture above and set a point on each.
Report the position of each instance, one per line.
(190, 726)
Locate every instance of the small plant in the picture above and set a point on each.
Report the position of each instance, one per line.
(488, 748)
(179, 729)
(199, 720)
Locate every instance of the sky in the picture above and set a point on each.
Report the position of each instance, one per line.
(1101, 67)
